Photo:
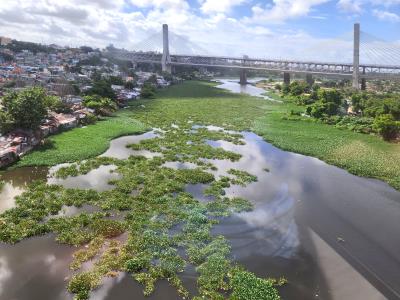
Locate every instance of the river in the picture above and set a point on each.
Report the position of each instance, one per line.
(333, 235)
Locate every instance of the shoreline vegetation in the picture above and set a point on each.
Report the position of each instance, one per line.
(360, 154)
(83, 142)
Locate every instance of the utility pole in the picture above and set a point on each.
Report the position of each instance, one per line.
(166, 59)
(356, 57)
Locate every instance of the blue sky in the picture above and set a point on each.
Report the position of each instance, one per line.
(319, 29)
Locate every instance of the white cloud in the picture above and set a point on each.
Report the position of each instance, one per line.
(359, 6)
(164, 4)
(386, 15)
(219, 6)
(351, 6)
(5, 273)
(282, 10)
(385, 3)
(99, 23)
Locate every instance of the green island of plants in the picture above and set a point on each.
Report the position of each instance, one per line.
(148, 225)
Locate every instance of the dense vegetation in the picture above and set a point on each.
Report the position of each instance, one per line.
(26, 109)
(19, 46)
(102, 87)
(101, 106)
(371, 112)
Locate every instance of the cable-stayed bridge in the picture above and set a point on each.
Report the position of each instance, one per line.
(371, 59)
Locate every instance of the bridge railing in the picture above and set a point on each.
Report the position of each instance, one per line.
(340, 69)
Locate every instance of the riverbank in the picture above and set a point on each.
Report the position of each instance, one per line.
(360, 154)
(82, 143)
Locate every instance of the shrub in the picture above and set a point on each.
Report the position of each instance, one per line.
(89, 119)
(285, 89)
(298, 88)
(137, 264)
(101, 106)
(386, 126)
(320, 109)
(148, 91)
(358, 124)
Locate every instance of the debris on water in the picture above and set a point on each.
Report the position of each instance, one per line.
(340, 239)
(266, 170)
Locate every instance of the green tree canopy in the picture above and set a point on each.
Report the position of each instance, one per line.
(102, 106)
(102, 88)
(27, 108)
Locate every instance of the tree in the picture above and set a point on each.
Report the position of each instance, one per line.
(27, 108)
(86, 49)
(285, 89)
(386, 126)
(357, 100)
(147, 91)
(117, 80)
(298, 88)
(101, 106)
(6, 122)
(330, 96)
(102, 88)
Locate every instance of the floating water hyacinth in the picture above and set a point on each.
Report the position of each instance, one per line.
(148, 226)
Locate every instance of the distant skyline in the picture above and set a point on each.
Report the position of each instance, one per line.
(279, 28)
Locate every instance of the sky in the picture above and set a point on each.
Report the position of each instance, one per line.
(307, 29)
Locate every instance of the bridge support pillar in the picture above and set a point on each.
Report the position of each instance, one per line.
(356, 57)
(286, 78)
(243, 77)
(166, 59)
(309, 79)
(243, 72)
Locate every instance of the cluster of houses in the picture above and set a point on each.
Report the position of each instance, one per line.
(18, 142)
(60, 73)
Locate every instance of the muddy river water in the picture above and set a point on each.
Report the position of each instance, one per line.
(331, 234)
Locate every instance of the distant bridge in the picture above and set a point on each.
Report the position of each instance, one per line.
(355, 71)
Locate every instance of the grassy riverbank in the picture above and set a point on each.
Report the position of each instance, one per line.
(82, 143)
(361, 154)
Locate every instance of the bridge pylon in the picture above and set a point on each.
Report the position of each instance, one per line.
(166, 58)
(243, 72)
(286, 78)
(356, 57)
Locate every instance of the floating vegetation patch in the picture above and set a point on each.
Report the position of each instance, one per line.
(165, 228)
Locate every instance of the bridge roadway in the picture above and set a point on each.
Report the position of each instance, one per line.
(367, 71)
